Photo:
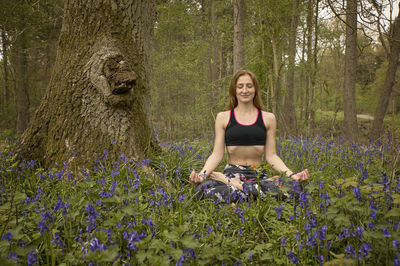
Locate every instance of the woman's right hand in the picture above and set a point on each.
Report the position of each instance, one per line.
(195, 178)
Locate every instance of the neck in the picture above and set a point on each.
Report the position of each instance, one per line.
(245, 107)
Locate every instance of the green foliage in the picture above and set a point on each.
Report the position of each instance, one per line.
(147, 213)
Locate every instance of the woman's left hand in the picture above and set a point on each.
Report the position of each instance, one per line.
(301, 176)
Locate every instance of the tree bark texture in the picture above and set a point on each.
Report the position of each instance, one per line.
(289, 109)
(6, 93)
(21, 86)
(350, 67)
(310, 68)
(97, 96)
(214, 42)
(390, 79)
(239, 15)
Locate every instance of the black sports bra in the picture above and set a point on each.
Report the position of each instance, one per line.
(237, 134)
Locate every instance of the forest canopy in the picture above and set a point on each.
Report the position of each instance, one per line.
(296, 48)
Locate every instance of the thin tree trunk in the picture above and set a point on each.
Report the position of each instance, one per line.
(21, 88)
(214, 52)
(239, 13)
(214, 42)
(276, 63)
(290, 112)
(390, 79)
(350, 70)
(6, 94)
(309, 67)
(303, 80)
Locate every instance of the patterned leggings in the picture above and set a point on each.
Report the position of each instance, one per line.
(253, 182)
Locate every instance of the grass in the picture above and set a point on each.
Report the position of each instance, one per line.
(146, 212)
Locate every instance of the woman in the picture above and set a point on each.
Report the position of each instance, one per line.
(248, 133)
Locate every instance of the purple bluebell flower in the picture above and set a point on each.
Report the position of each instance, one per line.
(395, 226)
(312, 240)
(238, 262)
(386, 232)
(307, 228)
(148, 221)
(240, 231)
(57, 240)
(328, 245)
(322, 233)
(344, 234)
(358, 233)
(303, 199)
(250, 255)
(60, 205)
(385, 182)
(350, 250)
(364, 250)
(371, 225)
(292, 257)
(396, 261)
(190, 252)
(284, 241)
(7, 236)
(209, 229)
(32, 258)
(396, 244)
(278, 211)
(320, 258)
(13, 256)
(356, 191)
(181, 260)
(297, 237)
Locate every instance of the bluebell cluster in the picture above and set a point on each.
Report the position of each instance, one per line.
(146, 212)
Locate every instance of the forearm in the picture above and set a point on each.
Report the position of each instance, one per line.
(278, 165)
(236, 182)
(211, 164)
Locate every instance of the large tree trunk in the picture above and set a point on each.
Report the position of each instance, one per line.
(390, 79)
(21, 86)
(239, 14)
(97, 96)
(289, 110)
(350, 67)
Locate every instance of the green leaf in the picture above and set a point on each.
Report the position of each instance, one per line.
(19, 196)
(129, 210)
(189, 242)
(393, 213)
(338, 262)
(342, 220)
(171, 235)
(176, 253)
(338, 256)
(17, 234)
(141, 256)
(109, 254)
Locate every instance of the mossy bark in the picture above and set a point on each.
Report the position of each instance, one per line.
(80, 116)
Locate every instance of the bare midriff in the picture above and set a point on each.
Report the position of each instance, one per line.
(245, 155)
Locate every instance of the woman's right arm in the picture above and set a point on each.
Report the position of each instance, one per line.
(218, 150)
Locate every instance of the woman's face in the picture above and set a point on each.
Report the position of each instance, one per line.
(245, 90)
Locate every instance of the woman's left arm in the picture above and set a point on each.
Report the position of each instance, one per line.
(270, 150)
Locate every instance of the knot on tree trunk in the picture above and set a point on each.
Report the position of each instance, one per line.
(112, 76)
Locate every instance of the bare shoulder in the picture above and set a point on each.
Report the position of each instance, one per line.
(268, 117)
(222, 118)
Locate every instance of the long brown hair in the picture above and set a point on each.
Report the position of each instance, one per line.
(232, 90)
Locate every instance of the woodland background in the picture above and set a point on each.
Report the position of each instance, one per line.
(193, 62)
